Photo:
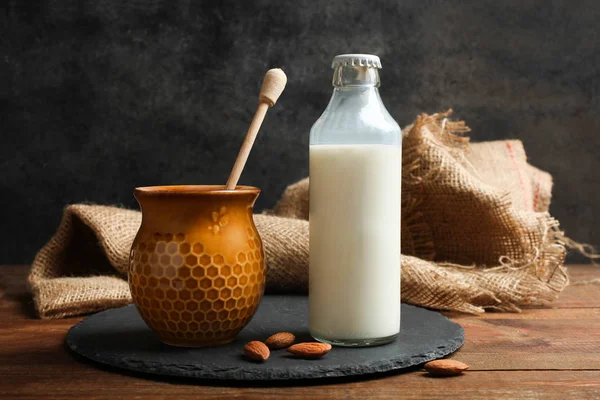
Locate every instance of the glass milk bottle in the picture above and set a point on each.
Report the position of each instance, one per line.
(355, 174)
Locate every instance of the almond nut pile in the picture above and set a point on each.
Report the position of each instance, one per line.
(259, 351)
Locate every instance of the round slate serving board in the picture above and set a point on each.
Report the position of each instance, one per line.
(121, 339)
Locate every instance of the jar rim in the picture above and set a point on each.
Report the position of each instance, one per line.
(175, 190)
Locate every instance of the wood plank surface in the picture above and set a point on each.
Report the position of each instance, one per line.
(580, 296)
(416, 385)
(551, 352)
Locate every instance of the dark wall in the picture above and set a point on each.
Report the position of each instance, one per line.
(100, 96)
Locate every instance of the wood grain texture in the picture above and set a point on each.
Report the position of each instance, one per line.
(550, 353)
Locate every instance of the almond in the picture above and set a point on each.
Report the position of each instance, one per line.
(445, 367)
(280, 340)
(310, 350)
(256, 351)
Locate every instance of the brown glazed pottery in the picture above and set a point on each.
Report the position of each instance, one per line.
(197, 266)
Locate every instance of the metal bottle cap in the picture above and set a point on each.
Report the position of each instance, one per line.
(363, 60)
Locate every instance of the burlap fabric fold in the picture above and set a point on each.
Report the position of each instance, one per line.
(476, 234)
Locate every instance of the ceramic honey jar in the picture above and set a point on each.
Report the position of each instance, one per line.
(197, 268)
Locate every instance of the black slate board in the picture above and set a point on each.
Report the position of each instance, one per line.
(121, 339)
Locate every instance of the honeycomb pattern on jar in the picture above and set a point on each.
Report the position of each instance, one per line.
(187, 294)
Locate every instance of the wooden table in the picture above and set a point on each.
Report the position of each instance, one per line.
(550, 353)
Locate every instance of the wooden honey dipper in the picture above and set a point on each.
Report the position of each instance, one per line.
(273, 85)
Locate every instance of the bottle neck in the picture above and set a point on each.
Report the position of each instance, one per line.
(355, 88)
(356, 76)
(355, 113)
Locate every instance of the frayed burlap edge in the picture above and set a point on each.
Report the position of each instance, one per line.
(536, 279)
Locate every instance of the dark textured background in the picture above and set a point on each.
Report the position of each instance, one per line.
(100, 96)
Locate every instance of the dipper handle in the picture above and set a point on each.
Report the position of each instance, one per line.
(272, 87)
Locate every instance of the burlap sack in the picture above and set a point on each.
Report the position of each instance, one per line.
(476, 234)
